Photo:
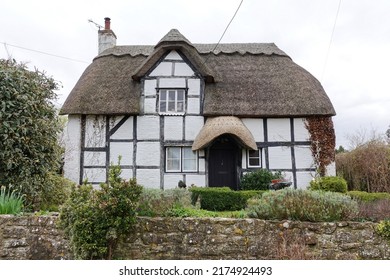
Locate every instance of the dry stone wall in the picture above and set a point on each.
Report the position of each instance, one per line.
(32, 237)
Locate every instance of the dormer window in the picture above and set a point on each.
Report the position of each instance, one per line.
(172, 101)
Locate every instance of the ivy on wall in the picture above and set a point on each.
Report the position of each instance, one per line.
(323, 141)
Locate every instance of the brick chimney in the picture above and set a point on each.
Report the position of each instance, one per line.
(106, 37)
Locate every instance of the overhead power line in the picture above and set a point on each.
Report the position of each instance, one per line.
(41, 52)
(330, 42)
(227, 27)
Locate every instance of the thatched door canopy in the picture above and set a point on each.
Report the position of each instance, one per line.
(215, 127)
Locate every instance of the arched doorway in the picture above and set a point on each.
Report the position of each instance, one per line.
(224, 156)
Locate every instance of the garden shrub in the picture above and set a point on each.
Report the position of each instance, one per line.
(155, 202)
(56, 192)
(29, 127)
(222, 199)
(367, 197)
(10, 201)
(303, 205)
(258, 180)
(95, 220)
(329, 184)
(383, 229)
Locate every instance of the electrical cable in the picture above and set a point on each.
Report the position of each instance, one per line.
(41, 52)
(330, 42)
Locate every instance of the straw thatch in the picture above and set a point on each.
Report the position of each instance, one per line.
(215, 127)
(257, 80)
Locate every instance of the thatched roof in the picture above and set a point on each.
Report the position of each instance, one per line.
(215, 127)
(252, 79)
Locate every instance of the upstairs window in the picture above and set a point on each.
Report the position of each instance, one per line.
(254, 158)
(172, 101)
(181, 159)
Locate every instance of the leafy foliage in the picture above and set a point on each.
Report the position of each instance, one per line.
(258, 180)
(158, 203)
(222, 199)
(303, 205)
(55, 194)
(329, 184)
(95, 220)
(28, 130)
(383, 229)
(368, 197)
(10, 201)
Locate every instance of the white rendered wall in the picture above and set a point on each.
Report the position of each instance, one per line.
(300, 131)
(256, 127)
(125, 150)
(280, 157)
(125, 131)
(95, 131)
(149, 178)
(303, 157)
(72, 148)
(148, 127)
(279, 130)
(193, 125)
(171, 180)
(195, 179)
(148, 154)
(173, 128)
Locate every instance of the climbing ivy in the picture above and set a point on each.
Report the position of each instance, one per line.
(323, 142)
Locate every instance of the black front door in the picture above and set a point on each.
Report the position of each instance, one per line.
(223, 155)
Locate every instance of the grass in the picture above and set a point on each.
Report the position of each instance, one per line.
(10, 202)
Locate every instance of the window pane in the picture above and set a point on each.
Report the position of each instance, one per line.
(254, 162)
(163, 95)
(254, 158)
(163, 103)
(171, 106)
(172, 95)
(253, 153)
(180, 95)
(189, 160)
(180, 106)
(173, 159)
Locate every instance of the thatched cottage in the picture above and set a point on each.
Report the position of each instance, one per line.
(196, 113)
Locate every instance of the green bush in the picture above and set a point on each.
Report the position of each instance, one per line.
(329, 184)
(29, 127)
(303, 205)
(383, 229)
(10, 201)
(94, 220)
(258, 180)
(368, 197)
(56, 192)
(221, 199)
(156, 202)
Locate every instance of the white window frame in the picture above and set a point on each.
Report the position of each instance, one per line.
(175, 111)
(259, 157)
(181, 161)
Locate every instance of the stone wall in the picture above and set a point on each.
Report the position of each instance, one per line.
(31, 237)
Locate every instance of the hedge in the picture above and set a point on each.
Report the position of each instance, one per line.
(222, 199)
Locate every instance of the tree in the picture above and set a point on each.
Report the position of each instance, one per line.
(29, 149)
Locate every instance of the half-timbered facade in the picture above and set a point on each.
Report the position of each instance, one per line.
(188, 112)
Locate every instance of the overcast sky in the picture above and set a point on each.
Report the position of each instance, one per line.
(353, 67)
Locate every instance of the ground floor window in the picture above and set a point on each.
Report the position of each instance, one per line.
(180, 159)
(254, 158)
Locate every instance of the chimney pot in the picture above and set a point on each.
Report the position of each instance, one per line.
(107, 23)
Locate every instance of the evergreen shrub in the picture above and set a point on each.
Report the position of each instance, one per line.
(222, 199)
(329, 184)
(302, 205)
(258, 180)
(368, 197)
